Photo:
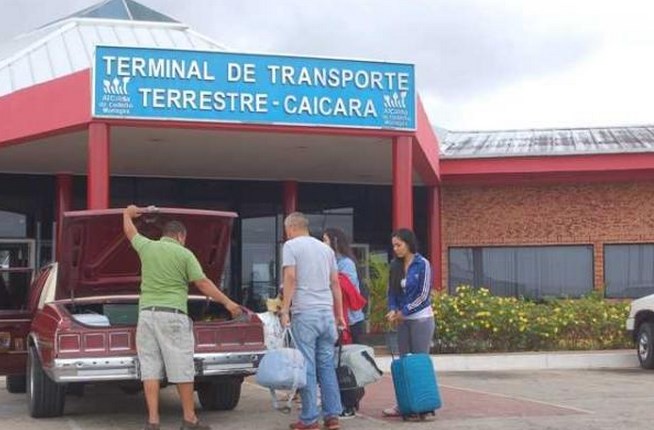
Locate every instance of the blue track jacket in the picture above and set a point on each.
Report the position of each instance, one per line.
(416, 293)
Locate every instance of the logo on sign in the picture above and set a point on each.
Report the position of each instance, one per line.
(396, 113)
(117, 86)
(115, 96)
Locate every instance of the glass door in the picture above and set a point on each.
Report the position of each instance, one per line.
(259, 261)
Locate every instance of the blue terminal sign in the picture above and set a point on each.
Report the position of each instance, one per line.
(167, 84)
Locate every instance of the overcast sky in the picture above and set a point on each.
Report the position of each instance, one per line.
(480, 64)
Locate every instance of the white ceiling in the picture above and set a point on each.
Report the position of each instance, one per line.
(163, 152)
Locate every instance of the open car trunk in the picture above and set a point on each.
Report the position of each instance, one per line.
(99, 275)
(109, 326)
(117, 314)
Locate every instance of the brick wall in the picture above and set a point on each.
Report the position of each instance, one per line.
(561, 214)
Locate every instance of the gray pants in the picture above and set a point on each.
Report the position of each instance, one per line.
(165, 345)
(414, 336)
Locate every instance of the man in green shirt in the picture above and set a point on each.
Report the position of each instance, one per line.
(164, 335)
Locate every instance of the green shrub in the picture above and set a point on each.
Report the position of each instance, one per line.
(379, 272)
(473, 320)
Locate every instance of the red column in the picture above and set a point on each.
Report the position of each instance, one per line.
(98, 168)
(290, 197)
(434, 234)
(402, 183)
(63, 203)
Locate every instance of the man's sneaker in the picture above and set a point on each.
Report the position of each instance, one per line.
(187, 425)
(391, 412)
(301, 426)
(332, 423)
(348, 413)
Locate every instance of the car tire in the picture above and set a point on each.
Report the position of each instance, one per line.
(45, 398)
(645, 345)
(16, 384)
(220, 395)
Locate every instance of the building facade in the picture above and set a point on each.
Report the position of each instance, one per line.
(58, 152)
(534, 212)
(550, 212)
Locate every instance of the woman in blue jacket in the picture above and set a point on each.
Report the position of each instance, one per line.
(409, 298)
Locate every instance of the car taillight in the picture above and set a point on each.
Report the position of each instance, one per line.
(69, 343)
(94, 342)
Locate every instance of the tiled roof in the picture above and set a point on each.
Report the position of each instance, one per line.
(520, 143)
(67, 46)
(128, 10)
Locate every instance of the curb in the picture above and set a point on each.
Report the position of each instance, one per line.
(614, 359)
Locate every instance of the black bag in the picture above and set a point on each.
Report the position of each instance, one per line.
(346, 379)
(350, 398)
(351, 393)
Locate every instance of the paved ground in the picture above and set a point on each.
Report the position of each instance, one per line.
(591, 399)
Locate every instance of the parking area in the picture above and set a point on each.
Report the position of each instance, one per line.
(590, 399)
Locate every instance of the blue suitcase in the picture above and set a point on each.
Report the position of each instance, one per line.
(416, 389)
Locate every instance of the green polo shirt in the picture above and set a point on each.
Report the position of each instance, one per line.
(167, 267)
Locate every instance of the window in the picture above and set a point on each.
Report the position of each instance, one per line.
(12, 224)
(16, 267)
(528, 271)
(258, 264)
(342, 218)
(629, 270)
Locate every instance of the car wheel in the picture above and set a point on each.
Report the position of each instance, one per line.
(16, 384)
(220, 395)
(644, 345)
(45, 398)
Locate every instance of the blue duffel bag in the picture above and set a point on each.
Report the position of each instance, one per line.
(283, 369)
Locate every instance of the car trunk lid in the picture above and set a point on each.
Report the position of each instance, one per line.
(98, 260)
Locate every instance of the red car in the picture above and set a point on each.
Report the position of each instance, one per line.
(79, 324)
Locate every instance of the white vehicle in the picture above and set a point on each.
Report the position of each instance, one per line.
(640, 324)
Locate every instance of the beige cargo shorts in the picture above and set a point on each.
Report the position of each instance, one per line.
(165, 345)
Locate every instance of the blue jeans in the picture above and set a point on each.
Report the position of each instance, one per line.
(315, 335)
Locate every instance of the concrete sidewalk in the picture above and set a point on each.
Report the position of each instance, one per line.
(550, 360)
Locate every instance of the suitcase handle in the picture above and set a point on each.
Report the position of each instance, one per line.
(340, 345)
(391, 340)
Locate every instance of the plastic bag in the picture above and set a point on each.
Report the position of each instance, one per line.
(273, 332)
(361, 360)
(282, 369)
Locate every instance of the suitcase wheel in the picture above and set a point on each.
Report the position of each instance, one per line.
(284, 409)
(418, 417)
(414, 417)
